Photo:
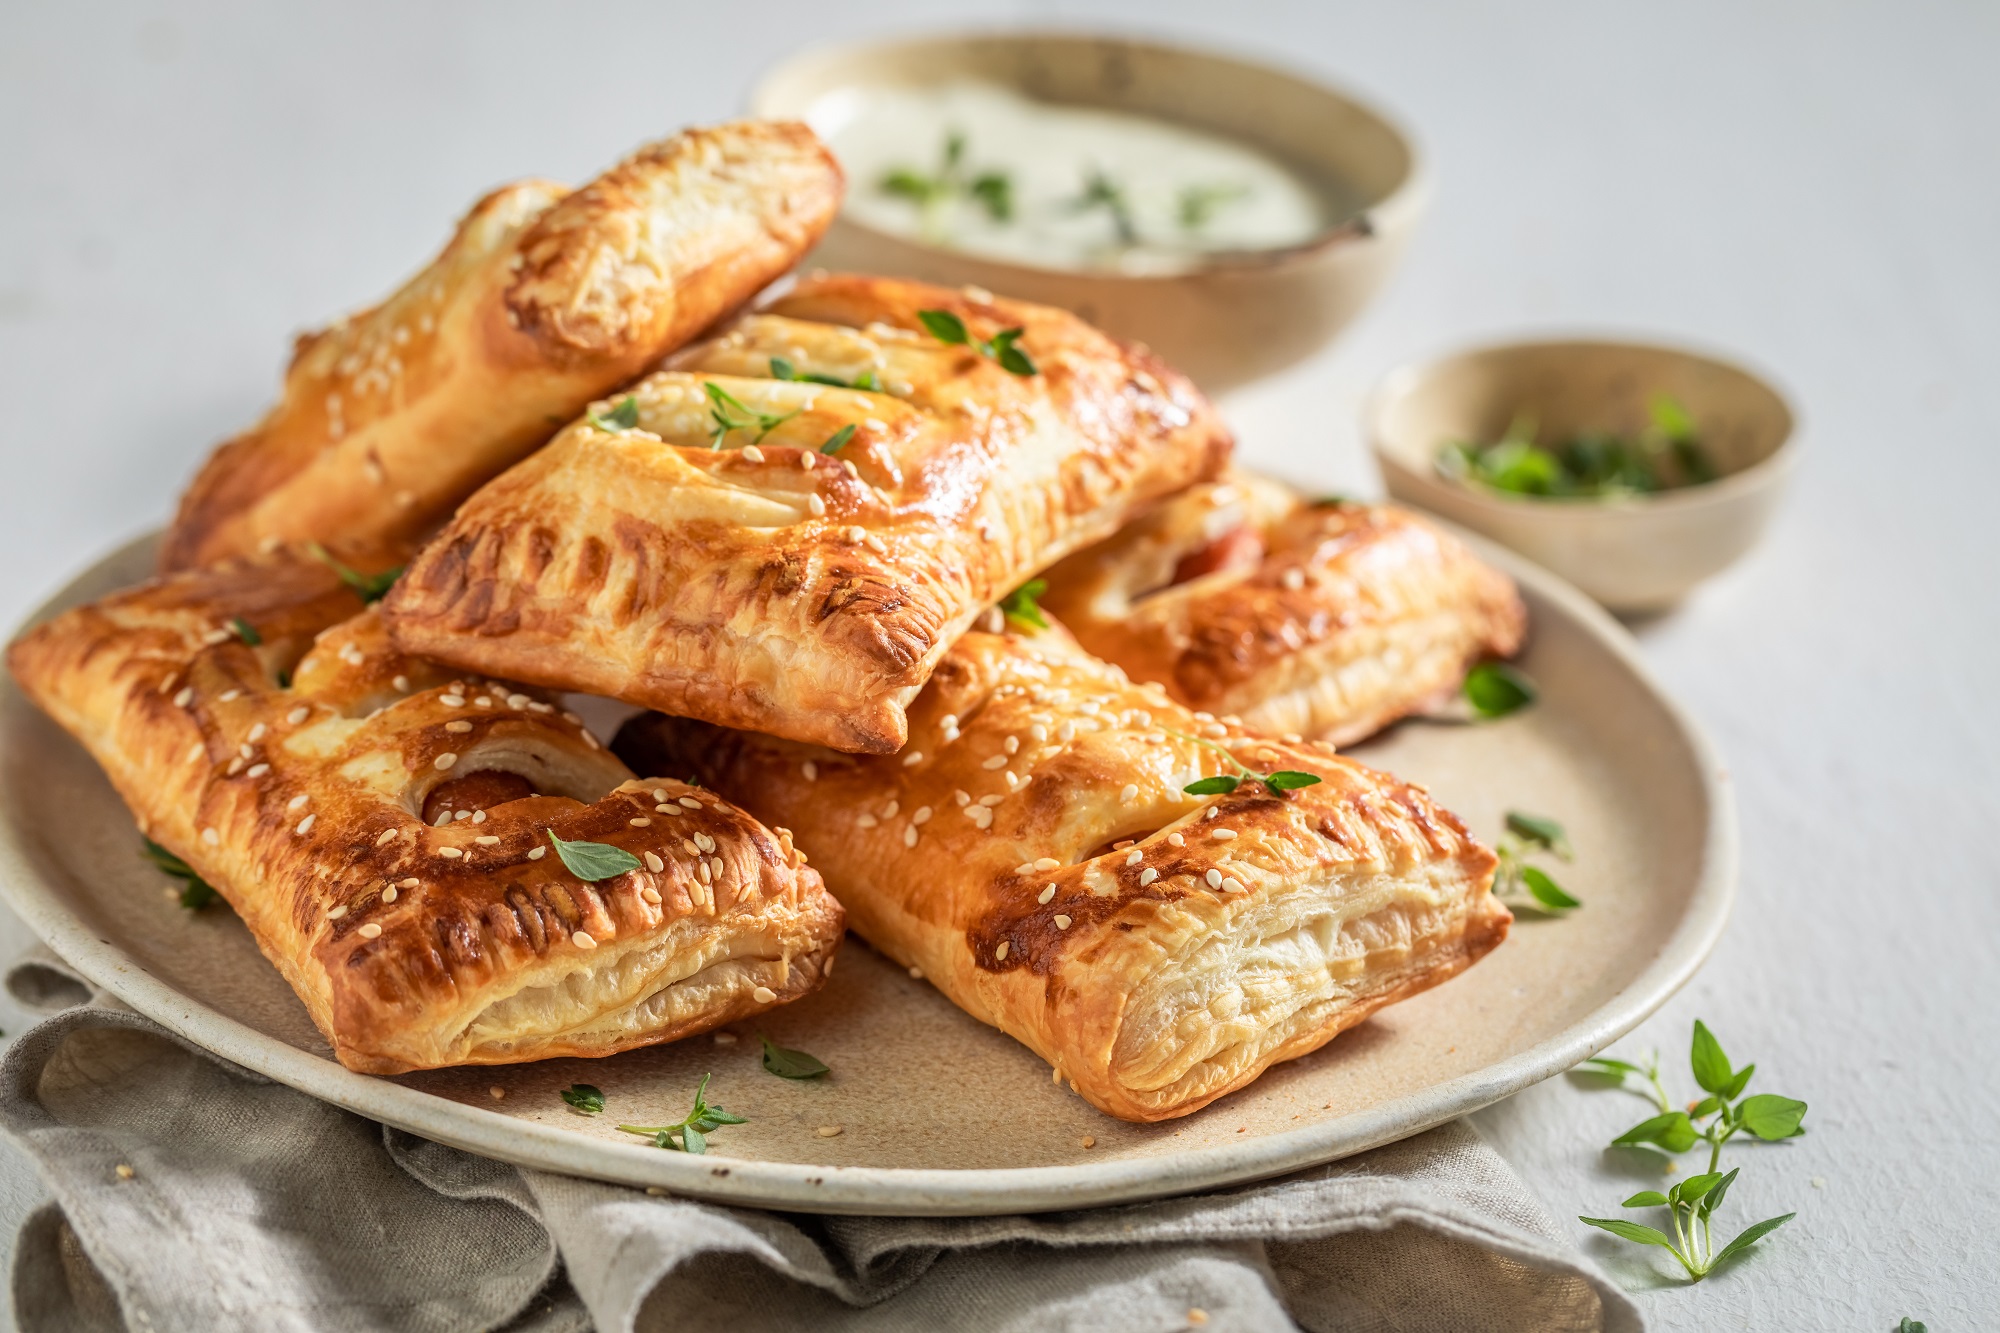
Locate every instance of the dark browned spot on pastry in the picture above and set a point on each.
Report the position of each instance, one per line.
(593, 564)
(476, 791)
(1241, 549)
(537, 551)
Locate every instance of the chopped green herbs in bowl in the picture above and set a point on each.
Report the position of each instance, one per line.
(1589, 465)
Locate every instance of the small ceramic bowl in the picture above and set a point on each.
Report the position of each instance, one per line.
(1235, 317)
(1642, 553)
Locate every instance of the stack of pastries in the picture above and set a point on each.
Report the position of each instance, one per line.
(578, 454)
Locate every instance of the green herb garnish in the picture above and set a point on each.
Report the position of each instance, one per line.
(1525, 835)
(584, 1098)
(621, 418)
(1023, 607)
(703, 1120)
(789, 1064)
(1692, 1202)
(1198, 203)
(728, 415)
(992, 191)
(371, 588)
(196, 892)
(1666, 455)
(1002, 346)
(837, 439)
(782, 369)
(1495, 689)
(245, 631)
(593, 861)
(1910, 1325)
(1278, 783)
(1101, 191)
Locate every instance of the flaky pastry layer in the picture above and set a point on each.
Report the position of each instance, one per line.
(802, 574)
(1329, 619)
(1034, 854)
(541, 301)
(415, 942)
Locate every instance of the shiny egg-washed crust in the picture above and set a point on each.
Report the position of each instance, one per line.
(416, 946)
(744, 575)
(543, 300)
(1034, 855)
(1329, 619)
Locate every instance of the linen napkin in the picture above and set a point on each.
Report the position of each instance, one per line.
(191, 1195)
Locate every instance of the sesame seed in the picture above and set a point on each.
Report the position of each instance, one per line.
(210, 836)
(185, 697)
(991, 798)
(866, 820)
(389, 894)
(401, 684)
(450, 853)
(1046, 863)
(992, 621)
(1222, 834)
(910, 836)
(690, 802)
(452, 700)
(716, 866)
(997, 761)
(1131, 790)
(1214, 878)
(922, 815)
(1066, 732)
(659, 793)
(1294, 579)
(235, 767)
(216, 636)
(257, 770)
(1000, 954)
(640, 821)
(1012, 782)
(828, 1131)
(482, 702)
(1012, 745)
(298, 715)
(805, 462)
(1211, 812)
(913, 758)
(651, 895)
(707, 875)
(1176, 840)
(517, 701)
(949, 722)
(246, 749)
(197, 751)
(1135, 857)
(335, 913)
(1088, 1140)
(582, 939)
(1147, 876)
(764, 995)
(962, 797)
(487, 840)
(1038, 733)
(1233, 884)
(410, 883)
(654, 863)
(982, 817)
(816, 505)
(751, 453)
(496, 1092)
(703, 842)
(1024, 867)
(916, 974)
(572, 719)
(479, 816)
(889, 810)
(458, 728)
(444, 761)
(538, 853)
(305, 825)
(370, 931)
(1046, 894)
(811, 770)
(450, 815)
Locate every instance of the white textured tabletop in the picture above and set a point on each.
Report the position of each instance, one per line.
(1812, 186)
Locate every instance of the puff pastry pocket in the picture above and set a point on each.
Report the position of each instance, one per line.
(383, 829)
(786, 531)
(1328, 619)
(541, 301)
(1035, 855)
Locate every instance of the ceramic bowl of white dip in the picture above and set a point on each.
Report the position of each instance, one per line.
(1230, 215)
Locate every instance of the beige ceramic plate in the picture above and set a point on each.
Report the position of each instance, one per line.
(937, 1114)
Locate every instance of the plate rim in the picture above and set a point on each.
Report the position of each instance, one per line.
(929, 1191)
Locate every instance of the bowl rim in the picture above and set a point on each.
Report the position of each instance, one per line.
(1401, 203)
(1766, 471)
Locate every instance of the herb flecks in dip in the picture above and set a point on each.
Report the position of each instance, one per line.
(986, 171)
(1596, 465)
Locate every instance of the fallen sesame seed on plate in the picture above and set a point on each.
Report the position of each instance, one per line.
(828, 1131)
(724, 1039)
(496, 1092)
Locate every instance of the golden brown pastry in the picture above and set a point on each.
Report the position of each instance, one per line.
(1034, 855)
(542, 301)
(791, 556)
(382, 828)
(1328, 619)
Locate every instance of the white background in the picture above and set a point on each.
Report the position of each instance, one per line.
(1815, 186)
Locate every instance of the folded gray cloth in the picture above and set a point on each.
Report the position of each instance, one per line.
(190, 1194)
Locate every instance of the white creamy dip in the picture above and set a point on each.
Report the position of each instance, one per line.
(1059, 186)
